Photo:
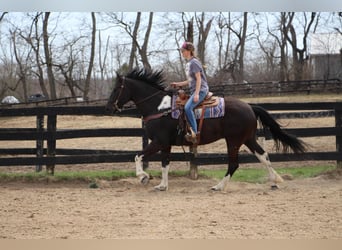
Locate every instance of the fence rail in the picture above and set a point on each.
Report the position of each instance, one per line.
(279, 88)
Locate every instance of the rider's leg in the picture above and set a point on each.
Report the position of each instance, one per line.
(189, 109)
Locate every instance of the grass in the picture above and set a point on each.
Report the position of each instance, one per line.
(257, 175)
(252, 175)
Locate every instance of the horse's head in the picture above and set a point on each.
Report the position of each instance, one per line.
(119, 96)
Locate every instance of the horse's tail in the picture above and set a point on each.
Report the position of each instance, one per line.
(279, 136)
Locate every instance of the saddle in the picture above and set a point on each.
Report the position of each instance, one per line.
(209, 100)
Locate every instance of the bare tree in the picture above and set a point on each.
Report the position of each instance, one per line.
(339, 28)
(91, 60)
(48, 57)
(22, 66)
(142, 49)
(102, 61)
(273, 46)
(223, 40)
(203, 33)
(299, 55)
(33, 37)
(2, 15)
(239, 51)
(68, 67)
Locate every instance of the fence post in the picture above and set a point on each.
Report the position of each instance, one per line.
(144, 144)
(338, 125)
(193, 166)
(40, 140)
(51, 141)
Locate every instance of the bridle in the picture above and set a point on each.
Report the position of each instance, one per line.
(115, 104)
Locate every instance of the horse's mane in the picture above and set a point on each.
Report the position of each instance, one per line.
(155, 78)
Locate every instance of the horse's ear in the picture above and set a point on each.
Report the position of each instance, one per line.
(118, 76)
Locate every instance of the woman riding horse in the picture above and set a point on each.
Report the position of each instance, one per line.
(238, 125)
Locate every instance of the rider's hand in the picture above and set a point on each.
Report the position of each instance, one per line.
(174, 85)
(196, 98)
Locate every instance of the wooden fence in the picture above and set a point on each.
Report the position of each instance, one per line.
(276, 88)
(51, 156)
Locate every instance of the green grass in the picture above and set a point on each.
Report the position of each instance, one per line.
(258, 175)
(253, 175)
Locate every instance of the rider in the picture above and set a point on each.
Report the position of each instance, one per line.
(198, 85)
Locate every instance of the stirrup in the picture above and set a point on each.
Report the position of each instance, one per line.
(191, 137)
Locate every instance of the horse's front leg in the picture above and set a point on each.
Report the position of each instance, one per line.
(164, 184)
(149, 150)
(144, 177)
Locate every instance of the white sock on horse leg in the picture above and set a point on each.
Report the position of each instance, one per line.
(272, 174)
(222, 185)
(163, 186)
(143, 176)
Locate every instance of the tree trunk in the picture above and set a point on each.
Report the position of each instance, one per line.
(91, 60)
(22, 67)
(143, 50)
(48, 57)
(202, 36)
(242, 48)
(134, 43)
(298, 54)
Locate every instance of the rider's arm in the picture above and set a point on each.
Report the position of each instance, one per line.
(180, 84)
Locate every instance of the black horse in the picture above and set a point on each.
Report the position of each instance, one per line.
(147, 89)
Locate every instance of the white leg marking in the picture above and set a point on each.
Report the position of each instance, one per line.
(163, 186)
(222, 185)
(272, 174)
(140, 173)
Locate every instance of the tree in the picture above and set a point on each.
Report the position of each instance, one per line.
(22, 66)
(91, 60)
(32, 36)
(239, 51)
(203, 34)
(2, 15)
(137, 46)
(299, 55)
(48, 57)
(102, 61)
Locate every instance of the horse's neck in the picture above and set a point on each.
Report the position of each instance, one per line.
(150, 100)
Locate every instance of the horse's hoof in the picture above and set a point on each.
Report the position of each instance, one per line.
(160, 188)
(144, 180)
(274, 187)
(215, 189)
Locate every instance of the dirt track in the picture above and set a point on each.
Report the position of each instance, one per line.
(301, 209)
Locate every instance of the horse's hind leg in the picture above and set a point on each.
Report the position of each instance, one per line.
(233, 164)
(262, 156)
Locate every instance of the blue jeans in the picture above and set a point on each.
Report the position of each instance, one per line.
(189, 109)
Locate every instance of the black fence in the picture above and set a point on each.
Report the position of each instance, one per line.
(277, 88)
(51, 156)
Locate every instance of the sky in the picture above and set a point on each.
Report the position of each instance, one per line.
(174, 5)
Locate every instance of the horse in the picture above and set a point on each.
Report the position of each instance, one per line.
(238, 126)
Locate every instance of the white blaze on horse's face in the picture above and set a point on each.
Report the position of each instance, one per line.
(165, 103)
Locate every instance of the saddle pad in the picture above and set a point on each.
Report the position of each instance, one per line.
(212, 112)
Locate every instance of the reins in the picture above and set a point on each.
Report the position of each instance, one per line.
(148, 97)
